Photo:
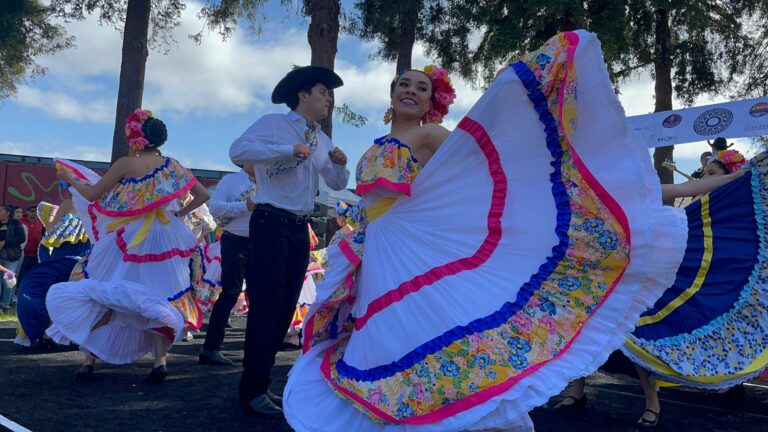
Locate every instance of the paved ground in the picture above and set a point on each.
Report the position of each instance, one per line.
(37, 390)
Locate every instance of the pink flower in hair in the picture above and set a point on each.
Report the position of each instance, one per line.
(133, 132)
(732, 159)
(443, 94)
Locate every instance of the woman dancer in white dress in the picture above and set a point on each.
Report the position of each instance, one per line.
(497, 259)
(136, 294)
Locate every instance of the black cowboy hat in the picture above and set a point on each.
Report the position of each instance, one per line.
(299, 77)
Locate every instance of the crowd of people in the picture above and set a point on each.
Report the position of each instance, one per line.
(20, 235)
(482, 271)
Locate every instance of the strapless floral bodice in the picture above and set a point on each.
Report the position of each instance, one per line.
(388, 164)
(384, 172)
(135, 196)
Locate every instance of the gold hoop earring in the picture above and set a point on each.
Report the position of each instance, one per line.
(388, 115)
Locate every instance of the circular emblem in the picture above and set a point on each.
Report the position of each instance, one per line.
(672, 120)
(713, 121)
(759, 109)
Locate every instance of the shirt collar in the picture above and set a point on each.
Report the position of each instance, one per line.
(296, 117)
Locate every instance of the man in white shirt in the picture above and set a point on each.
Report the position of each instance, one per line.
(231, 206)
(289, 153)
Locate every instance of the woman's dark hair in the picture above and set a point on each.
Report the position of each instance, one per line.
(10, 209)
(293, 100)
(720, 165)
(155, 132)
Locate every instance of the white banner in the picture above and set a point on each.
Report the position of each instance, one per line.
(736, 119)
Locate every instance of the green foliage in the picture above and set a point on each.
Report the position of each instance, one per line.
(383, 21)
(349, 117)
(708, 39)
(223, 16)
(165, 16)
(753, 80)
(25, 33)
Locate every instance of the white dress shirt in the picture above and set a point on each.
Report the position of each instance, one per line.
(272, 138)
(228, 203)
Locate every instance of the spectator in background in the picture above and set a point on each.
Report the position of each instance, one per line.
(35, 230)
(11, 238)
(704, 160)
(719, 144)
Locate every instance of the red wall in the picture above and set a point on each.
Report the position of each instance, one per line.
(26, 184)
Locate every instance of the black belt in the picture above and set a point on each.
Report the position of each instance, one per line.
(284, 214)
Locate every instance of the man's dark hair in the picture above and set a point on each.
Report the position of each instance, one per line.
(293, 102)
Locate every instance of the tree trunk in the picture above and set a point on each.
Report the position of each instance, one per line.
(408, 18)
(323, 36)
(132, 66)
(663, 89)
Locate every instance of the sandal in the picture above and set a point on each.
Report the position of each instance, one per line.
(578, 404)
(644, 423)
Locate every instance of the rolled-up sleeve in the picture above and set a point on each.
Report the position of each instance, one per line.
(335, 176)
(259, 144)
(220, 204)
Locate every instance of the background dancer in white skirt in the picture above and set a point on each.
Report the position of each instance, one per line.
(136, 294)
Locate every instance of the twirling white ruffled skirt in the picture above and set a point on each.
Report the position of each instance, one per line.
(447, 219)
(144, 286)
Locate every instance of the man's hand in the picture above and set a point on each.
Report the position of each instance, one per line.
(301, 151)
(337, 156)
(2, 244)
(249, 205)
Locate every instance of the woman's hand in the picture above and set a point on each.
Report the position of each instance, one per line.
(64, 175)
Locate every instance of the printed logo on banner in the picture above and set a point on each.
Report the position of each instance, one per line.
(759, 109)
(713, 121)
(756, 127)
(672, 120)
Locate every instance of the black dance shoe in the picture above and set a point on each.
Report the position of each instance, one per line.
(263, 407)
(213, 358)
(84, 374)
(158, 374)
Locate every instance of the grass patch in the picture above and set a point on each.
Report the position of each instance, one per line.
(8, 315)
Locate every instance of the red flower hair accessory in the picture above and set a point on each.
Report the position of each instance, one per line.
(731, 159)
(133, 132)
(443, 94)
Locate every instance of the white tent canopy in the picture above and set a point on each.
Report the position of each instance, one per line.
(329, 197)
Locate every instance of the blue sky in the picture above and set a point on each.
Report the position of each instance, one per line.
(209, 94)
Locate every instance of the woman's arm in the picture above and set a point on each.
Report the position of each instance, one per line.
(108, 181)
(65, 208)
(199, 196)
(698, 187)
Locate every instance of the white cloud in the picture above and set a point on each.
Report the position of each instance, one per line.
(217, 77)
(213, 78)
(62, 105)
